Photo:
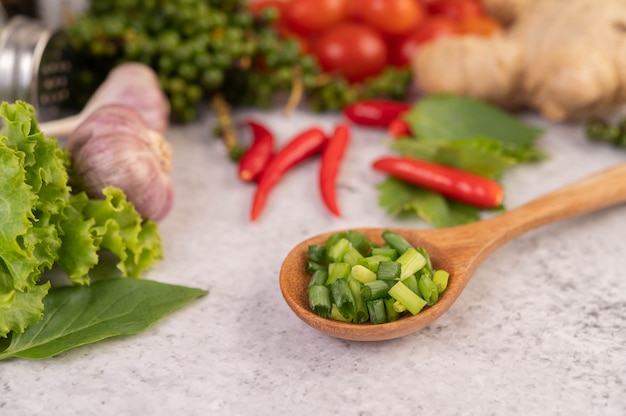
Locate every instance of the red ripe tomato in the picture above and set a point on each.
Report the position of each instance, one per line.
(455, 9)
(392, 17)
(402, 49)
(352, 49)
(310, 17)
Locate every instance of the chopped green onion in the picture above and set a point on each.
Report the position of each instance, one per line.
(407, 298)
(385, 251)
(360, 242)
(374, 290)
(353, 280)
(352, 256)
(361, 315)
(312, 266)
(316, 253)
(396, 241)
(440, 279)
(398, 307)
(337, 271)
(319, 278)
(392, 313)
(411, 283)
(428, 266)
(342, 295)
(336, 252)
(333, 239)
(411, 261)
(362, 274)
(376, 309)
(428, 289)
(319, 300)
(388, 270)
(371, 262)
(336, 315)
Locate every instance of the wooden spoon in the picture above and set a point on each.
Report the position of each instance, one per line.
(459, 250)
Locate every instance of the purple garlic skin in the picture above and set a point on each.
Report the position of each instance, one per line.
(134, 85)
(115, 147)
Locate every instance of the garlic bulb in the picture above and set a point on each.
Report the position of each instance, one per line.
(114, 146)
(135, 85)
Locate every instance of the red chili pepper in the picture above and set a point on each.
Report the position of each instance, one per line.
(258, 155)
(375, 113)
(399, 128)
(332, 157)
(454, 183)
(302, 146)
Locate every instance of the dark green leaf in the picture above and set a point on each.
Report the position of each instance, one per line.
(458, 117)
(78, 315)
(398, 197)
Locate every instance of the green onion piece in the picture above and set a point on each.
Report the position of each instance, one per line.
(428, 290)
(352, 256)
(337, 271)
(360, 242)
(319, 300)
(395, 240)
(411, 283)
(440, 279)
(411, 261)
(374, 290)
(398, 307)
(385, 251)
(392, 314)
(333, 239)
(362, 274)
(407, 298)
(312, 266)
(318, 278)
(428, 266)
(316, 253)
(336, 252)
(388, 270)
(371, 262)
(361, 315)
(376, 309)
(342, 295)
(336, 315)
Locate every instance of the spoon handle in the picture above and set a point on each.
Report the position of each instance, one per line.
(600, 190)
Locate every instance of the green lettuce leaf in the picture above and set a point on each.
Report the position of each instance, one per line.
(79, 315)
(44, 224)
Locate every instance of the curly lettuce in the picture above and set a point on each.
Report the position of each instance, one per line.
(44, 223)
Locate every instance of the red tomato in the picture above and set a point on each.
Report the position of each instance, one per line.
(402, 49)
(392, 17)
(455, 9)
(352, 49)
(310, 17)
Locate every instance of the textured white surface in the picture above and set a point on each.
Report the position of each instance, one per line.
(540, 329)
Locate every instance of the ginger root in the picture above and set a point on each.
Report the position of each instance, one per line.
(567, 60)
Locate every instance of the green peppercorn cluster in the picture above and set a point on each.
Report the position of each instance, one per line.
(202, 47)
(606, 131)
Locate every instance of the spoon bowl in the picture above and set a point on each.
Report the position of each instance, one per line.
(459, 250)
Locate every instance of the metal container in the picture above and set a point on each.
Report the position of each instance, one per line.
(35, 64)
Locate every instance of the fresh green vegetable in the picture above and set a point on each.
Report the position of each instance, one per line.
(369, 290)
(463, 133)
(45, 224)
(79, 315)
